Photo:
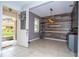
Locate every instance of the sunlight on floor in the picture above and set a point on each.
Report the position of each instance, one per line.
(8, 43)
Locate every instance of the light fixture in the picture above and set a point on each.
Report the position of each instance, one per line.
(51, 18)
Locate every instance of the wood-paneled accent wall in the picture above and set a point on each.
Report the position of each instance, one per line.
(60, 28)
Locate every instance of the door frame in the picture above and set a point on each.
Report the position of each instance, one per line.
(20, 32)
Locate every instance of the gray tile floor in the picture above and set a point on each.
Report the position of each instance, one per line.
(39, 48)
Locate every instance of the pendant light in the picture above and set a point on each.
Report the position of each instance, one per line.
(52, 18)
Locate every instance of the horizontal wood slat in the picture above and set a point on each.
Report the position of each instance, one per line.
(58, 32)
(56, 35)
(57, 29)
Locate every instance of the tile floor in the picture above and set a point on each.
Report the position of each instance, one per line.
(39, 48)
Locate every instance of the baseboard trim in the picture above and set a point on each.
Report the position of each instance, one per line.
(55, 39)
(34, 39)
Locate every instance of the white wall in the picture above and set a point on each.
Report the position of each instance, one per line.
(0, 26)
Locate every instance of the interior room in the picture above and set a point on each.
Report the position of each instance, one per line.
(42, 29)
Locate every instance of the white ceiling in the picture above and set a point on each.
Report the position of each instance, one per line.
(18, 5)
(59, 7)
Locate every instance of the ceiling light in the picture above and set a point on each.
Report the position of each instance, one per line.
(52, 18)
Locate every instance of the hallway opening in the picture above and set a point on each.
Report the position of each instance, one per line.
(8, 27)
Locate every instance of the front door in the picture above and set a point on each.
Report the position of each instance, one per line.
(22, 33)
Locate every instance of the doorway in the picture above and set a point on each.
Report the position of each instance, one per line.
(8, 27)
